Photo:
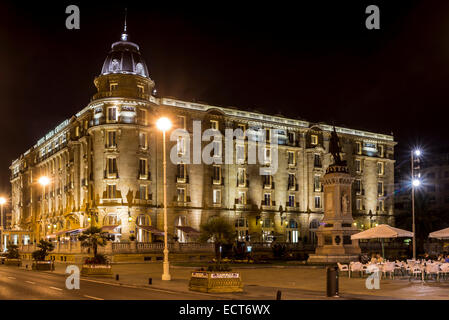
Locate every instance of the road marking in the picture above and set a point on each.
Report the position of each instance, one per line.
(30, 282)
(56, 288)
(12, 278)
(95, 298)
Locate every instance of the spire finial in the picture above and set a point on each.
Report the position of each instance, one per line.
(125, 34)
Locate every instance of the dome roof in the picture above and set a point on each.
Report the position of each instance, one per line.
(125, 57)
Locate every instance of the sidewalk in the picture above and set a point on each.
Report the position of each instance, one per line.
(295, 283)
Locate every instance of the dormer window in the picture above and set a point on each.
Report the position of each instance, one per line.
(314, 139)
(114, 66)
(139, 69)
(113, 86)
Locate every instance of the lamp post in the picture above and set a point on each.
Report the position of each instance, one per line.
(43, 181)
(164, 124)
(2, 202)
(415, 183)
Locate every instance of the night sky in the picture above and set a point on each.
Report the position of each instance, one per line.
(313, 61)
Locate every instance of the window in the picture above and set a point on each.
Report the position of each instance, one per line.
(291, 158)
(142, 168)
(241, 177)
(181, 168)
(217, 148)
(214, 124)
(180, 145)
(267, 155)
(181, 122)
(112, 113)
(358, 165)
(181, 195)
(358, 204)
(292, 231)
(291, 181)
(267, 134)
(317, 161)
(267, 199)
(317, 202)
(358, 186)
(358, 147)
(241, 197)
(112, 166)
(380, 188)
(267, 223)
(267, 181)
(217, 196)
(113, 86)
(77, 132)
(291, 137)
(380, 205)
(143, 192)
(380, 151)
(111, 139)
(242, 127)
(140, 89)
(143, 140)
(111, 192)
(241, 224)
(380, 168)
(217, 174)
(316, 183)
(141, 116)
(291, 200)
(240, 153)
(314, 139)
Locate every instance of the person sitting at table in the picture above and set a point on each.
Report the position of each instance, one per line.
(373, 258)
(379, 258)
(447, 259)
(426, 256)
(440, 257)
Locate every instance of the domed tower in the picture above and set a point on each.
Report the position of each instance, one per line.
(121, 192)
(124, 72)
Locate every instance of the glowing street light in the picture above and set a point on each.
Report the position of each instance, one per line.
(417, 152)
(43, 181)
(164, 124)
(415, 183)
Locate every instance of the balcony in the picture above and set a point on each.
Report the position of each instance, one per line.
(292, 207)
(243, 184)
(293, 187)
(179, 202)
(268, 185)
(110, 175)
(267, 206)
(145, 176)
(217, 181)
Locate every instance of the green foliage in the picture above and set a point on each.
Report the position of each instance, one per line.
(219, 231)
(44, 248)
(93, 238)
(98, 259)
(13, 251)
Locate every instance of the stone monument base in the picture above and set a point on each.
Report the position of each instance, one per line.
(332, 258)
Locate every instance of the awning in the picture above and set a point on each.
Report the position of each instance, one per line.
(440, 234)
(70, 231)
(188, 230)
(382, 231)
(110, 229)
(152, 229)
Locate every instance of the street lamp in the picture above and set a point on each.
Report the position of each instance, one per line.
(164, 124)
(2, 202)
(415, 183)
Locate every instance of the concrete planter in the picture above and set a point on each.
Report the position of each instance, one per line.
(215, 281)
(43, 265)
(13, 262)
(97, 270)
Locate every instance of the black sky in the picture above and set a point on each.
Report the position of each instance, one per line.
(316, 61)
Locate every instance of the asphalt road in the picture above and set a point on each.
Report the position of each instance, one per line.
(21, 284)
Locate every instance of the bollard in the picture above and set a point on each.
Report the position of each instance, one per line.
(278, 295)
(117, 277)
(150, 281)
(332, 281)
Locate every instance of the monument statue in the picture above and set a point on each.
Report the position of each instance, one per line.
(335, 149)
(344, 203)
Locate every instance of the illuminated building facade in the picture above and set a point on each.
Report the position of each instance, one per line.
(105, 168)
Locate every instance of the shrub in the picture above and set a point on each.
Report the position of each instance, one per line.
(44, 248)
(219, 267)
(98, 259)
(13, 252)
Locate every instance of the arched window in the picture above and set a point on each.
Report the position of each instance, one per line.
(180, 221)
(139, 69)
(142, 221)
(114, 66)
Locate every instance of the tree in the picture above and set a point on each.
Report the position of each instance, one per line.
(94, 237)
(44, 248)
(13, 251)
(219, 231)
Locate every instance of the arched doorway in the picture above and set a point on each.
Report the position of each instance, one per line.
(143, 234)
(113, 225)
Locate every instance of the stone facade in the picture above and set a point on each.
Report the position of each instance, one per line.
(105, 167)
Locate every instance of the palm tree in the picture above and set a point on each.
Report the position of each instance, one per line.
(219, 231)
(94, 237)
(44, 248)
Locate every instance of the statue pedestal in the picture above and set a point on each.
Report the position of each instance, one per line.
(334, 233)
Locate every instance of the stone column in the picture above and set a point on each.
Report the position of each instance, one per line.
(334, 233)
